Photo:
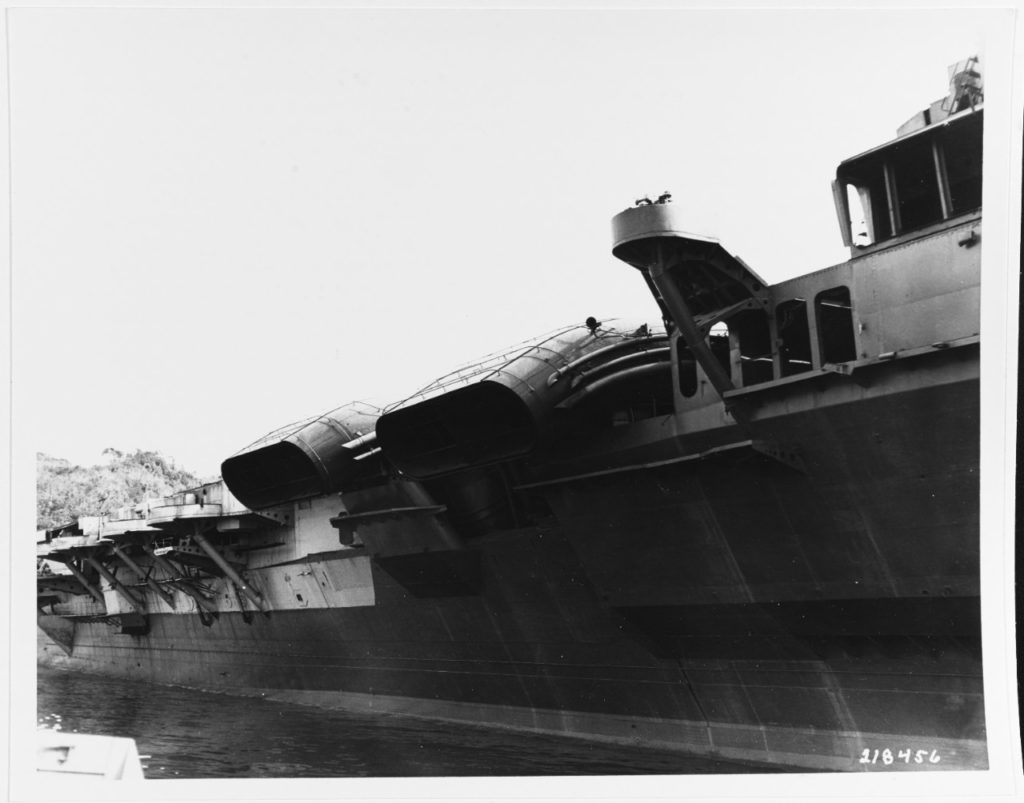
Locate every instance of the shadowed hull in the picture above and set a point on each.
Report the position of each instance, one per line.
(731, 607)
(596, 674)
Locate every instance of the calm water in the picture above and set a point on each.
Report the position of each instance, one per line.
(191, 734)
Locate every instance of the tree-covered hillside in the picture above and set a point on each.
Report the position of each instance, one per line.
(64, 492)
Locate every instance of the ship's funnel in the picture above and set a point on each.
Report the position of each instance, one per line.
(309, 458)
(482, 423)
(497, 409)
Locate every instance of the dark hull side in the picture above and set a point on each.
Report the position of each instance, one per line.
(813, 713)
(825, 619)
(543, 655)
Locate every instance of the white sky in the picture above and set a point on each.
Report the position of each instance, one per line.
(226, 220)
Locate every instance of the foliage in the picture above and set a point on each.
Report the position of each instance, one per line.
(65, 492)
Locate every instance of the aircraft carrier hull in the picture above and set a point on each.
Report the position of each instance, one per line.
(901, 695)
(622, 620)
(750, 531)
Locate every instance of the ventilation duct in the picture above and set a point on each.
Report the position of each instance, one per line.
(497, 409)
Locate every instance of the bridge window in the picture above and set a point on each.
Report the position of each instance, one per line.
(687, 369)
(755, 346)
(718, 342)
(915, 180)
(858, 204)
(961, 146)
(913, 183)
(868, 209)
(794, 336)
(834, 314)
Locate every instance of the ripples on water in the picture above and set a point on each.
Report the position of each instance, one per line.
(193, 734)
